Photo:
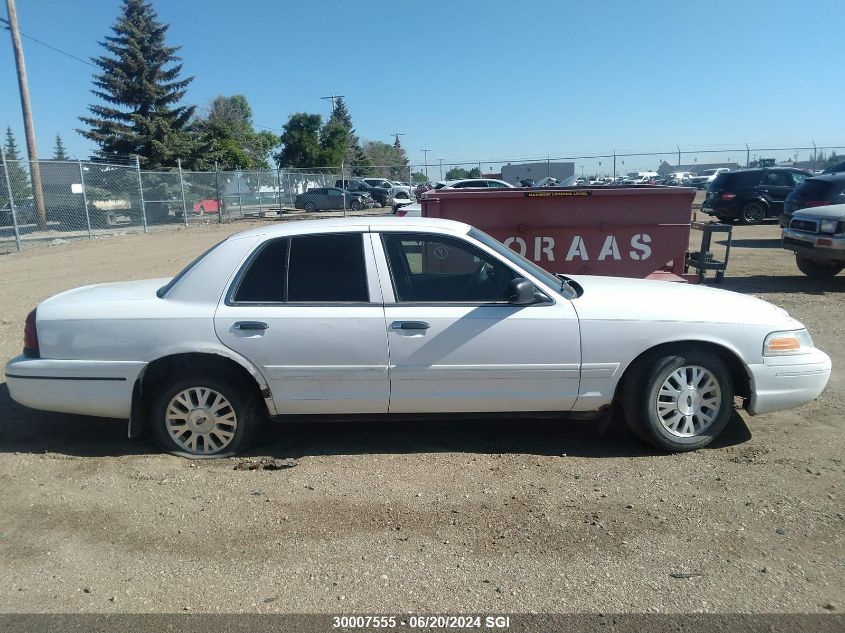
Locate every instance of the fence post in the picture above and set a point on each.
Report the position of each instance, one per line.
(11, 201)
(343, 182)
(240, 202)
(279, 190)
(258, 189)
(85, 199)
(141, 192)
(182, 188)
(217, 190)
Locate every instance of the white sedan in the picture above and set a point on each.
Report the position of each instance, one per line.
(404, 316)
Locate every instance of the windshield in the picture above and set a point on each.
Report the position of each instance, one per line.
(551, 280)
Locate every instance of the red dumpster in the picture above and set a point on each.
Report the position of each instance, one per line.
(617, 231)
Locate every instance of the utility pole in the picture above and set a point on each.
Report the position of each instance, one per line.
(32, 153)
(333, 97)
(425, 159)
(441, 168)
(396, 136)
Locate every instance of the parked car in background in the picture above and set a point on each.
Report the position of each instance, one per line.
(818, 191)
(397, 317)
(700, 181)
(680, 179)
(838, 168)
(24, 213)
(397, 191)
(473, 183)
(380, 195)
(817, 237)
(331, 198)
(751, 195)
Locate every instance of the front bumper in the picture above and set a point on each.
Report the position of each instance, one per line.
(784, 382)
(814, 246)
(86, 387)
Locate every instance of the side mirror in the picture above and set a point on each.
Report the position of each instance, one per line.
(521, 292)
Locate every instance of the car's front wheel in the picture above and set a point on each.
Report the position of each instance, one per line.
(679, 401)
(816, 269)
(205, 415)
(310, 206)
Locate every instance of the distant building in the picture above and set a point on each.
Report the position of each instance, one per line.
(514, 173)
(696, 168)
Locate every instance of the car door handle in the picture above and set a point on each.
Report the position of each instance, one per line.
(409, 325)
(251, 325)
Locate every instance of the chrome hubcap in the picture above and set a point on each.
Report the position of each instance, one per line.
(201, 420)
(689, 401)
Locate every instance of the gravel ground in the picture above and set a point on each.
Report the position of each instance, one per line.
(482, 515)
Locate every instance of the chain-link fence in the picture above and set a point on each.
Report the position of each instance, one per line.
(87, 199)
(84, 199)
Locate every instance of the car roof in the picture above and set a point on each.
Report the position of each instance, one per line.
(299, 227)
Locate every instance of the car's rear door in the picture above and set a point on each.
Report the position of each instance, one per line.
(777, 184)
(308, 312)
(457, 345)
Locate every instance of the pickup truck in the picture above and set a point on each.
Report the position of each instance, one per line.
(381, 195)
(817, 237)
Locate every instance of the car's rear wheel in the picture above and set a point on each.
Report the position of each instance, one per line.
(753, 212)
(816, 269)
(310, 206)
(679, 401)
(205, 415)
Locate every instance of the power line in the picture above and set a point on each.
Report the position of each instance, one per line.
(88, 63)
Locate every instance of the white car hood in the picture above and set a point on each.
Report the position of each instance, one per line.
(619, 298)
(120, 291)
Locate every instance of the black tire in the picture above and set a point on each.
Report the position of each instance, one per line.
(355, 205)
(817, 270)
(642, 389)
(240, 396)
(310, 206)
(753, 212)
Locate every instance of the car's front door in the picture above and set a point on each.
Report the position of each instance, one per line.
(455, 342)
(307, 311)
(335, 198)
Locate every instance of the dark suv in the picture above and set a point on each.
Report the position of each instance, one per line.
(818, 191)
(751, 195)
(379, 194)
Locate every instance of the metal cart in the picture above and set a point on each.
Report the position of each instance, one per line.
(703, 260)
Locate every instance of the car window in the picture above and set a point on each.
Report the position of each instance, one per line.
(780, 179)
(264, 280)
(313, 268)
(812, 189)
(436, 268)
(495, 185)
(798, 177)
(327, 268)
(335, 192)
(317, 190)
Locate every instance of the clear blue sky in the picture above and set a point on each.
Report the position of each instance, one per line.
(493, 79)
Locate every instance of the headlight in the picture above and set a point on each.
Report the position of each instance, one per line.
(788, 343)
(828, 226)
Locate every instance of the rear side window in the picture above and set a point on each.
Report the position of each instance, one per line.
(780, 179)
(309, 268)
(327, 268)
(264, 282)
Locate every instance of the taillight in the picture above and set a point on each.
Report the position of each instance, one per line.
(728, 196)
(815, 203)
(30, 336)
(400, 213)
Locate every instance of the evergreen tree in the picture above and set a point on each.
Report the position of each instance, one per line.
(18, 175)
(354, 154)
(141, 86)
(59, 150)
